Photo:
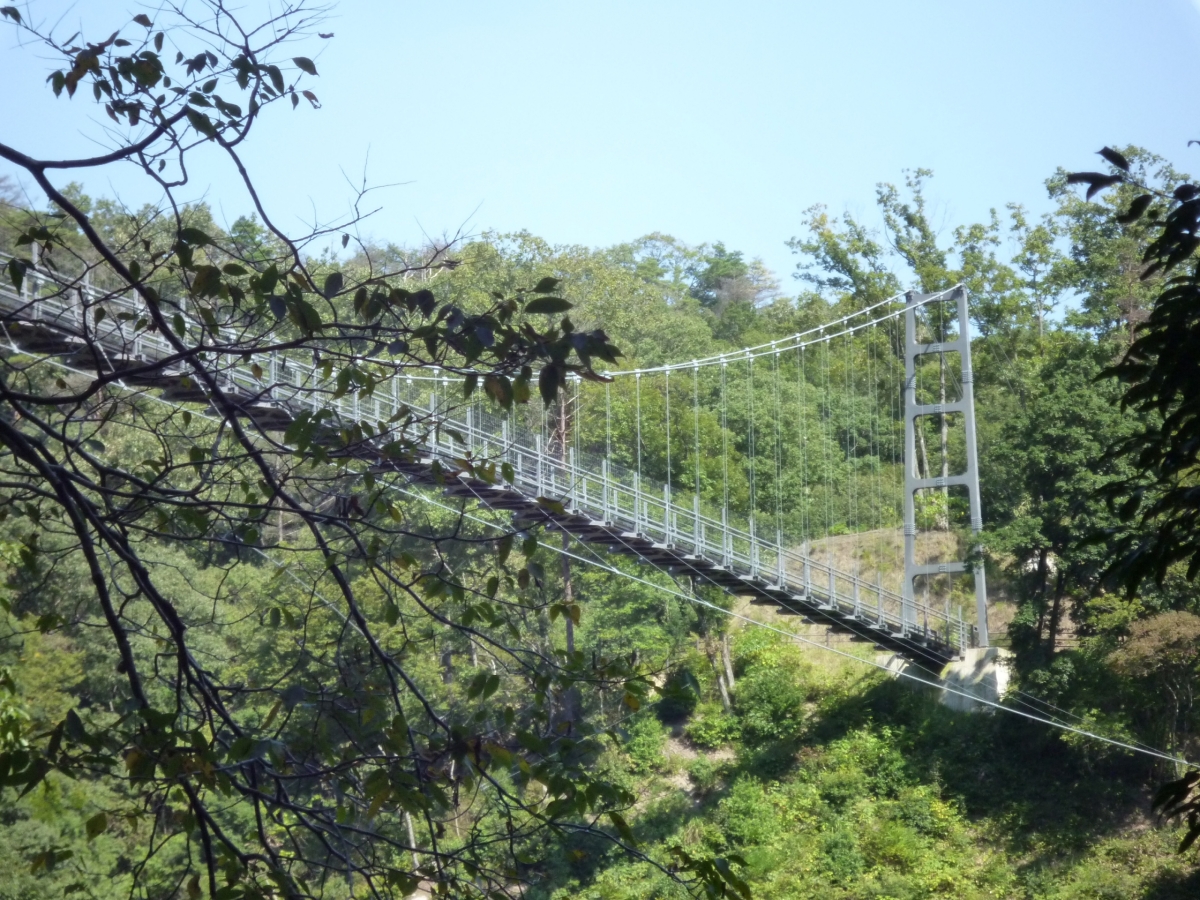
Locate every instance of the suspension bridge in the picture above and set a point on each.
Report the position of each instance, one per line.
(820, 469)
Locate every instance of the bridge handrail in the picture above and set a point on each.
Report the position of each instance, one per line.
(644, 507)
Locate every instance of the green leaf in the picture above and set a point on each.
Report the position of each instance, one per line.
(490, 686)
(276, 78)
(96, 825)
(305, 64)
(200, 122)
(546, 285)
(551, 506)
(499, 388)
(622, 827)
(194, 237)
(1115, 158)
(305, 315)
(477, 684)
(1136, 209)
(521, 389)
(549, 381)
(272, 714)
(16, 271)
(48, 859)
(333, 284)
(547, 306)
(1096, 181)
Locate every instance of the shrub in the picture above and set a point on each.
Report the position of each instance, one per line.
(840, 787)
(644, 744)
(770, 703)
(843, 860)
(712, 727)
(705, 774)
(680, 694)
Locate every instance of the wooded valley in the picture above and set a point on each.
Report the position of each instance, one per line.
(242, 660)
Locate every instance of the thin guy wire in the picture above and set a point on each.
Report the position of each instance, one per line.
(608, 422)
(667, 392)
(778, 456)
(826, 440)
(901, 673)
(805, 510)
(861, 636)
(638, 406)
(851, 453)
(724, 445)
(750, 401)
(696, 426)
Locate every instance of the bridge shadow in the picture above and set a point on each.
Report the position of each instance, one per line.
(1042, 791)
(1174, 886)
(1046, 802)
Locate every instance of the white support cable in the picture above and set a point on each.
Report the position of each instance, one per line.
(303, 386)
(806, 501)
(753, 456)
(156, 340)
(894, 672)
(667, 404)
(538, 465)
(696, 427)
(857, 636)
(778, 448)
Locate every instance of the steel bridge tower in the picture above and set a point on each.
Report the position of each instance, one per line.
(969, 477)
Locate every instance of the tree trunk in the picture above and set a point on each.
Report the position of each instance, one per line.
(1041, 590)
(724, 693)
(412, 840)
(727, 658)
(1055, 611)
(572, 702)
(568, 591)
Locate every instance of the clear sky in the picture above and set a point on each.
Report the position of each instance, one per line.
(596, 123)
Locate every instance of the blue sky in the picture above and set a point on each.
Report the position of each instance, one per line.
(596, 123)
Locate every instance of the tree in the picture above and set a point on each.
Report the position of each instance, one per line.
(1160, 376)
(1164, 650)
(1047, 466)
(281, 709)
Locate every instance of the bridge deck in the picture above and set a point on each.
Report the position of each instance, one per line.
(593, 500)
